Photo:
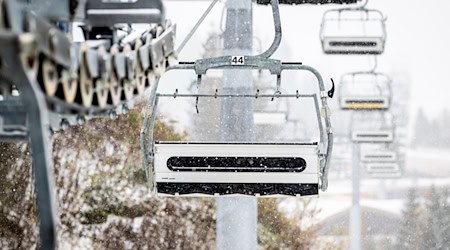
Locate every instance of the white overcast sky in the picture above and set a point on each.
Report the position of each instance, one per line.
(418, 43)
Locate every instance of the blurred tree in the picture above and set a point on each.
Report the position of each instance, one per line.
(411, 229)
(103, 199)
(437, 226)
(276, 230)
(18, 228)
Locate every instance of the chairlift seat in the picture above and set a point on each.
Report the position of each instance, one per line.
(383, 170)
(352, 45)
(246, 168)
(364, 102)
(382, 167)
(375, 136)
(378, 156)
(386, 175)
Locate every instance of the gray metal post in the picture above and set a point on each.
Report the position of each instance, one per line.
(237, 216)
(355, 212)
(37, 119)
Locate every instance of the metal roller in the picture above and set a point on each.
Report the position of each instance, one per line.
(138, 71)
(102, 83)
(151, 77)
(115, 90)
(70, 86)
(160, 67)
(86, 83)
(29, 59)
(50, 77)
(128, 85)
(101, 91)
(172, 59)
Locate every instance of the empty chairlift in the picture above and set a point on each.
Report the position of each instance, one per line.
(353, 31)
(246, 168)
(365, 91)
(378, 156)
(373, 128)
(241, 168)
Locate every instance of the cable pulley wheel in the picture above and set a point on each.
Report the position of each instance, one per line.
(138, 71)
(49, 77)
(127, 84)
(102, 83)
(159, 67)
(86, 83)
(70, 86)
(115, 89)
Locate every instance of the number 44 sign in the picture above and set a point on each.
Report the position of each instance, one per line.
(237, 60)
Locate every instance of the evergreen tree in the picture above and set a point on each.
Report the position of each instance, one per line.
(276, 230)
(410, 233)
(437, 233)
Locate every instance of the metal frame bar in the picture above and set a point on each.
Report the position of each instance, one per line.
(276, 20)
(37, 118)
(147, 152)
(199, 22)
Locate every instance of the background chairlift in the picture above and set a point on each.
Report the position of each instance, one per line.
(378, 156)
(365, 91)
(381, 130)
(373, 136)
(353, 31)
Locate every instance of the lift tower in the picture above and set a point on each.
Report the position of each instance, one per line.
(237, 216)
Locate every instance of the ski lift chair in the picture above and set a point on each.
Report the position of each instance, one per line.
(241, 168)
(246, 168)
(365, 91)
(353, 31)
(373, 128)
(378, 156)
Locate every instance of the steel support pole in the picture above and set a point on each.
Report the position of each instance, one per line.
(237, 216)
(38, 124)
(355, 212)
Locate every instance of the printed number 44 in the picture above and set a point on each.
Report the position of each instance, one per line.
(237, 60)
